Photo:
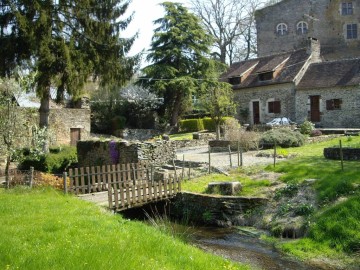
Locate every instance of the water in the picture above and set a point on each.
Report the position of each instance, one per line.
(243, 248)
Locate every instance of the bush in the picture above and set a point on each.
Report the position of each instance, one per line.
(282, 137)
(306, 127)
(209, 124)
(191, 125)
(52, 162)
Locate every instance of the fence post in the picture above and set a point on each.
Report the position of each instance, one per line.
(341, 156)
(174, 169)
(238, 153)
(65, 182)
(183, 168)
(189, 170)
(230, 156)
(274, 154)
(31, 177)
(209, 159)
(241, 157)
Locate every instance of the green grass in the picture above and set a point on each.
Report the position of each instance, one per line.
(44, 229)
(181, 136)
(249, 186)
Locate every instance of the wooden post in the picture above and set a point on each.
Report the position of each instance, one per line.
(151, 173)
(65, 182)
(87, 170)
(230, 156)
(341, 156)
(238, 153)
(274, 154)
(209, 159)
(31, 177)
(189, 170)
(174, 169)
(241, 157)
(183, 168)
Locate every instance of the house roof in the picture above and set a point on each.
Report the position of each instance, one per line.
(287, 65)
(330, 74)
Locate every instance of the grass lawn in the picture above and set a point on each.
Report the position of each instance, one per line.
(334, 230)
(181, 136)
(44, 229)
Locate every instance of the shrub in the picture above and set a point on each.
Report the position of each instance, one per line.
(52, 162)
(306, 127)
(282, 137)
(209, 124)
(191, 125)
(315, 133)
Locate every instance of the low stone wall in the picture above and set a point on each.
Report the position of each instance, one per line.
(138, 134)
(215, 210)
(188, 143)
(348, 153)
(223, 145)
(97, 153)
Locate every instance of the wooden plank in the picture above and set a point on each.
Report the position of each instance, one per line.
(71, 180)
(118, 175)
(103, 178)
(123, 175)
(88, 178)
(93, 179)
(155, 184)
(108, 174)
(76, 176)
(82, 180)
(171, 186)
(128, 174)
(165, 187)
(97, 175)
(122, 197)
(116, 195)
(145, 191)
(110, 198)
(138, 193)
(127, 182)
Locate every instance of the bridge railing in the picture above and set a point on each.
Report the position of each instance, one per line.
(126, 195)
(96, 179)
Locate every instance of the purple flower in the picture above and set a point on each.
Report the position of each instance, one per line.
(114, 153)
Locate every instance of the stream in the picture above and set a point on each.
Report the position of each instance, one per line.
(244, 248)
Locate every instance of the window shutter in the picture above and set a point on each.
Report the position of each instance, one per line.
(329, 105)
(277, 107)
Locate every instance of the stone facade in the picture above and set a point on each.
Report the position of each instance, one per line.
(347, 116)
(347, 153)
(244, 98)
(287, 25)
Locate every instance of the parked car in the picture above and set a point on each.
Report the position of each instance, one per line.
(281, 121)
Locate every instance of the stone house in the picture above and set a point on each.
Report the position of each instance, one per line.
(286, 26)
(67, 124)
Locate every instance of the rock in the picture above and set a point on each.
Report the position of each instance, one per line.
(224, 188)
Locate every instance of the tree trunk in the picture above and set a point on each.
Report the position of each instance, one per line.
(176, 110)
(217, 127)
(7, 171)
(44, 115)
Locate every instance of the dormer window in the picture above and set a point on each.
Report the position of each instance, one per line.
(346, 8)
(235, 80)
(266, 76)
(281, 29)
(302, 28)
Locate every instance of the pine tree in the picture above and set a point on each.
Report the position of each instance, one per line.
(67, 42)
(179, 55)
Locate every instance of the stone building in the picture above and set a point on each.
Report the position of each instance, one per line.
(287, 25)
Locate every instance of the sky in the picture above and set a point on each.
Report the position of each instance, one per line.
(146, 11)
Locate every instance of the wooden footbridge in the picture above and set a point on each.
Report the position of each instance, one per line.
(121, 186)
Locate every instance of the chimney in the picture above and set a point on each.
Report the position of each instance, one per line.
(313, 49)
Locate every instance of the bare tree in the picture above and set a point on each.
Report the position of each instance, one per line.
(232, 24)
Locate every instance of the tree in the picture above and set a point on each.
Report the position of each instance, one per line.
(10, 122)
(66, 42)
(179, 55)
(217, 99)
(232, 25)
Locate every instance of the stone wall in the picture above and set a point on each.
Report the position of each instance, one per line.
(215, 210)
(346, 117)
(97, 153)
(138, 134)
(285, 93)
(62, 120)
(325, 23)
(348, 153)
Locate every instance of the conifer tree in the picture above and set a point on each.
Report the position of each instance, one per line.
(66, 42)
(179, 55)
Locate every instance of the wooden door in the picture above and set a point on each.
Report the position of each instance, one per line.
(256, 112)
(315, 109)
(74, 135)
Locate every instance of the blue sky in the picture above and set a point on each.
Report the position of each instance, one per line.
(146, 11)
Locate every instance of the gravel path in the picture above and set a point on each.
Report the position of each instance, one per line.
(221, 160)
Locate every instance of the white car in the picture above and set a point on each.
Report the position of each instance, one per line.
(281, 121)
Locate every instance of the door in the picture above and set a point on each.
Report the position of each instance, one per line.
(256, 112)
(74, 135)
(315, 109)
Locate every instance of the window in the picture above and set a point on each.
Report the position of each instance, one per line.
(351, 31)
(267, 76)
(346, 8)
(281, 29)
(235, 80)
(274, 107)
(302, 28)
(333, 104)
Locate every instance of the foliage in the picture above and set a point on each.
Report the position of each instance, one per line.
(209, 124)
(232, 25)
(67, 43)
(62, 226)
(189, 125)
(178, 54)
(51, 162)
(283, 137)
(217, 99)
(307, 127)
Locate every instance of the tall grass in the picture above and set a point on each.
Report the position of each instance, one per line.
(43, 229)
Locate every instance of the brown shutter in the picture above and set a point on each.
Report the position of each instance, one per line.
(277, 107)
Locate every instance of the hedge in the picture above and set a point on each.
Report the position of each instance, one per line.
(192, 125)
